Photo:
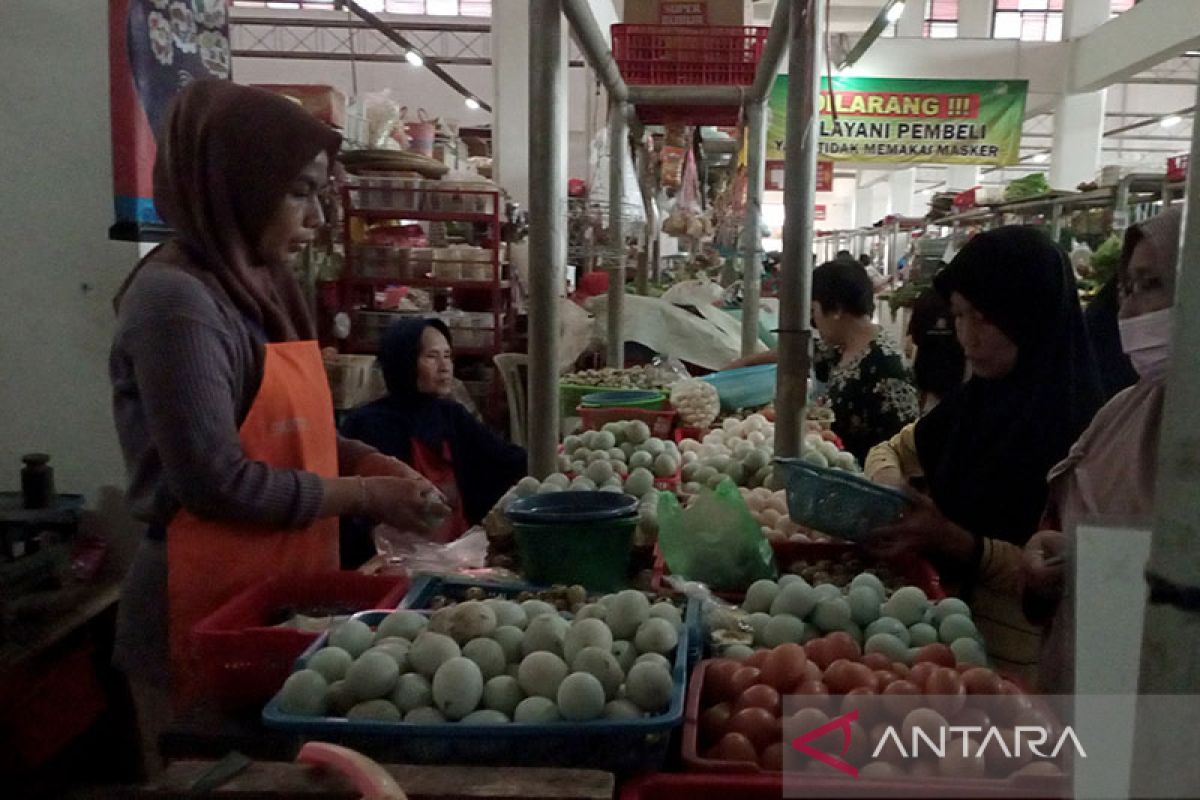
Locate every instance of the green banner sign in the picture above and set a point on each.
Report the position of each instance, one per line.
(912, 121)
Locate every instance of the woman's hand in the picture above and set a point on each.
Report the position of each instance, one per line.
(407, 504)
(1042, 564)
(923, 530)
(379, 465)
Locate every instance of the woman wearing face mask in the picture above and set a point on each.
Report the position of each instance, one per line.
(418, 423)
(1110, 471)
(984, 451)
(220, 399)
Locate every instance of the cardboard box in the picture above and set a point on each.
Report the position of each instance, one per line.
(323, 102)
(686, 12)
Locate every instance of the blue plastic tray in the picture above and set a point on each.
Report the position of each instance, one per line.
(625, 398)
(838, 503)
(424, 588)
(572, 507)
(625, 748)
(746, 387)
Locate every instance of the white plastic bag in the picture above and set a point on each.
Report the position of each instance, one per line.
(413, 553)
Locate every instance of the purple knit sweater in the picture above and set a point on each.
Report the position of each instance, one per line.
(185, 368)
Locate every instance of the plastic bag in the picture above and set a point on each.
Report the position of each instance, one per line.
(715, 540)
(412, 553)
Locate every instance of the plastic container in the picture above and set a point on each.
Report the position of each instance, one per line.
(572, 507)
(349, 379)
(746, 387)
(244, 657)
(377, 193)
(592, 554)
(838, 503)
(369, 326)
(677, 55)
(381, 261)
(626, 747)
(660, 422)
(621, 398)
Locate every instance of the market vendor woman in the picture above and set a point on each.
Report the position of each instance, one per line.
(420, 424)
(219, 394)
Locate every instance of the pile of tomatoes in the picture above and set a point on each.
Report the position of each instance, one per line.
(742, 715)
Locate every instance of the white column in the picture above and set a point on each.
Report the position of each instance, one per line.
(960, 177)
(975, 19)
(881, 201)
(510, 108)
(903, 184)
(912, 22)
(863, 205)
(1078, 119)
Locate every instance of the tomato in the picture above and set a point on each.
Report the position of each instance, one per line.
(901, 670)
(843, 676)
(759, 696)
(901, 697)
(945, 691)
(811, 671)
(812, 694)
(735, 747)
(772, 757)
(757, 659)
(885, 677)
(784, 667)
(877, 661)
(972, 718)
(805, 720)
(821, 651)
(844, 646)
(756, 724)
(1014, 702)
(928, 720)
(863, 700)
(920, 673)
(889, 751)
(715, 721)
(936, 653)
(860, 744)
(718, 683)
(981, 680)
(742, 680)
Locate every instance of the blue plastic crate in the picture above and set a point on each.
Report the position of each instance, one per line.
(424, 588)
(625, 748)
(745, 387)
(838, 503)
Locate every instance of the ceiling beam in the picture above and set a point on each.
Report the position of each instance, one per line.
(1148, 34)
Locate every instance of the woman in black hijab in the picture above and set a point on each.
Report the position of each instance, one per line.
(419, 424)
(986, 449)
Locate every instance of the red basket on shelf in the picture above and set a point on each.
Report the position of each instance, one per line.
(244, 658)
(661, 423)
(673, 55)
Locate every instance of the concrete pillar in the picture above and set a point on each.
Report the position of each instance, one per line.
(510, 108)
(881, 202)
(903, 184)
(974, 19)
(1078, 119)
(912, 22)
(960, 177)
(864, 205)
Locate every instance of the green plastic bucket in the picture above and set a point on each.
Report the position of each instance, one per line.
(595, 555)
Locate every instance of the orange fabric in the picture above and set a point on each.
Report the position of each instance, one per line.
(438, 469)
(289, 425)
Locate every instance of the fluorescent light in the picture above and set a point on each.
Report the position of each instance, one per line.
(1041, 158)
(1171, 121)
(414, 58)
(895, 12)
(472, 104)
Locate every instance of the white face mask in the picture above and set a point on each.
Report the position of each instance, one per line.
(1146, 339)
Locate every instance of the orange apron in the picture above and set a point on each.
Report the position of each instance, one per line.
(290, 425)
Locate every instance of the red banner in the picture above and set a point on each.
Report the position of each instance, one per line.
(901, 104)
(1177, 167)
(774, 177)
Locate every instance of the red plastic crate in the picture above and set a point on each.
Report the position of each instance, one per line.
(661, 422)
(244, 659)
(672, 55)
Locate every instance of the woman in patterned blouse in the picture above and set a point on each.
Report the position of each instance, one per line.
(870, 390)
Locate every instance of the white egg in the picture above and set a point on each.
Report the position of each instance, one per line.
(770, 517)
(757, 438)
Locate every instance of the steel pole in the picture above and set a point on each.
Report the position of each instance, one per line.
(799, 192)
(772, 55)
(594, 47)
(618, 145)
(547, 217)
(756, 154)
(1171, 636)
(646, 267)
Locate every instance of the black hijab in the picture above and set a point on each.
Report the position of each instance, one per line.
(485, 466)
(987, 448)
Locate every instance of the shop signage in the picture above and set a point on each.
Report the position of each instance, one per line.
(912, 121)
(1177, 167)
(819, 215)
(774, 177)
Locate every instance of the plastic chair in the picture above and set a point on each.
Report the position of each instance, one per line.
(514, 368)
